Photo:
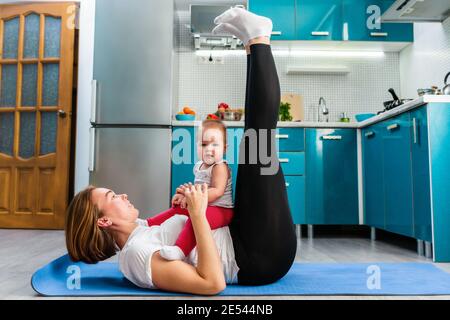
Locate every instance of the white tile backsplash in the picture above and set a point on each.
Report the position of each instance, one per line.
(427, 61)
(362, 90)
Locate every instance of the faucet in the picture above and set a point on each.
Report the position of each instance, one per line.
(322, 105)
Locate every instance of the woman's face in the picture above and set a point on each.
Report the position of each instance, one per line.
(211, 147)
(115, 207)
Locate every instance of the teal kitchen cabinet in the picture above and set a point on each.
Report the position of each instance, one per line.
(363, 24)
(184, 154)
(372, 159)
(295, 187)
(420, 174)
(397, 176)
(319, 20)
(282, 13)
(331, 176)
(291, 147)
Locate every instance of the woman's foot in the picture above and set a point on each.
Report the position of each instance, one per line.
(172, 253)
(243, 24)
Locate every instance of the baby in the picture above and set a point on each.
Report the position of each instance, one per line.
(212, 170)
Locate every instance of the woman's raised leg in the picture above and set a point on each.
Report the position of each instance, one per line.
(262, 230)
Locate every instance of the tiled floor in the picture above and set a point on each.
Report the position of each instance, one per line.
(24, 251)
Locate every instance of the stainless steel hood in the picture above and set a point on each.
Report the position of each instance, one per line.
(417, 11)
(202, 24)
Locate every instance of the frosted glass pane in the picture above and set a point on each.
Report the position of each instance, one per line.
(31, 45)
(50, 84)
(6, 133)
(29, 85)
(27, 134)
(52, 36)
(8, 86)
(11, 38)
(49, 123)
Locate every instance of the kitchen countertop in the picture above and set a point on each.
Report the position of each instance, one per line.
(356, 125)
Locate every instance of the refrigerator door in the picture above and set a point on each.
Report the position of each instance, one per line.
(135, 161)
(133, 62)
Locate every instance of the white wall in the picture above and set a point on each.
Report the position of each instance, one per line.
(363, 90)
(426, 62)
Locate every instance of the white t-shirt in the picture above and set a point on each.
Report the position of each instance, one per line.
(135, 256)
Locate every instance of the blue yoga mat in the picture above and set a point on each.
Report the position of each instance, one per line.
(62, 277)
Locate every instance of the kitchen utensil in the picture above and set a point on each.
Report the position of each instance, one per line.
(388, 105)
(185, 117)
(446, 89)
(363, 116)
(422, 92)
(297, 110)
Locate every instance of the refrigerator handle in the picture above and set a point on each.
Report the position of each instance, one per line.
(93, 101)
(91, 149)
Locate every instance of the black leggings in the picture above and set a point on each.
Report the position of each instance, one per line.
(262, 229)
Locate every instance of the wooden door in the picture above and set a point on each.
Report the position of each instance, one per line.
(36, 69)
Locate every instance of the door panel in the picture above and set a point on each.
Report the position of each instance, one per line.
(135, 161)
(397, 175)
(319, 20)
(421, 175)
(331, 176)
(282, 13)
(36, 70)
(372, 152)
(132, 59)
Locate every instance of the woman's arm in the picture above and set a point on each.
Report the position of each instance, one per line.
(207, 278)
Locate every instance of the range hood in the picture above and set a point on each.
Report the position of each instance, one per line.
(202, 24)
(417, 11)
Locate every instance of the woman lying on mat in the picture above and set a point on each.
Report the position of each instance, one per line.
(259, 245)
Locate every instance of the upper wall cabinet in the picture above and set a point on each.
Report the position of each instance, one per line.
(362, 20)
(319, 20)
(282, 13)
(354, 20)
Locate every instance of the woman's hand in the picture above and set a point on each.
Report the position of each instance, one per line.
(197, 199)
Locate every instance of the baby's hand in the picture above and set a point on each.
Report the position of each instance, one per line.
(181, 189)
(176, 200)
(183, 204)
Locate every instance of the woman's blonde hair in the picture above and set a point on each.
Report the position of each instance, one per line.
(85, 240)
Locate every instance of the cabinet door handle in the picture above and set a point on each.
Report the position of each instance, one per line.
(393, 126)
(369, 134)
(415, 130)
(379, 34)
(331, 137)
(284, 160)
(91, 167)
(93, 101)
(287, 184)
(320, 33)
(276, 33)
(281, 136)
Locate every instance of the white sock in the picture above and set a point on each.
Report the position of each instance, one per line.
(226, 28)
(172, 253)
(250, 25)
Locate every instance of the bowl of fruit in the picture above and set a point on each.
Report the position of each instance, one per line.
(187, 114)
(224, 112)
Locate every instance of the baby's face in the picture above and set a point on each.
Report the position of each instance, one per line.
(211, 147)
